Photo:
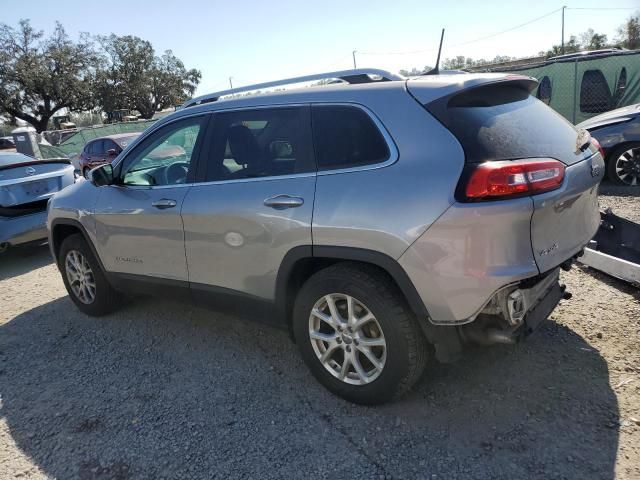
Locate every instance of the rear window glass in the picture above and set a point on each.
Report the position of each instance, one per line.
(346, 137)
(504, 122)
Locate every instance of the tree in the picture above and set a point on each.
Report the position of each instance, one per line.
(40, 76)
(591, 40)
(462, 62)
(571, 46)
(133, 77)
(629, 33)
(414, 72)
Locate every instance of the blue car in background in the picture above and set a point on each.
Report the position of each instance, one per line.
(618, 132)
(26, 184)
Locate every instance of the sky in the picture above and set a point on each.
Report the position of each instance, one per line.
(257, 41)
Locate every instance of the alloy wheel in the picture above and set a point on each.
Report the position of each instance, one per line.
(628, 166)
(80, 277)
(347, 339)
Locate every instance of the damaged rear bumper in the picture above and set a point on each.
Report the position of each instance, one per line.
(515, 312)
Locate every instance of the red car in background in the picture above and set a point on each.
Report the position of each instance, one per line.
(103, 150)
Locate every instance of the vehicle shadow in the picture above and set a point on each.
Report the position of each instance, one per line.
(160, 390)
(20, 260)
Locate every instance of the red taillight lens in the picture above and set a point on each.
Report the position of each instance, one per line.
(596, 144)
(516, 177)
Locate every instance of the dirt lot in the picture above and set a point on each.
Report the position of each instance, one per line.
(160, 390)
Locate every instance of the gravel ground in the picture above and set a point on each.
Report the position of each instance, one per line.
(163, 390)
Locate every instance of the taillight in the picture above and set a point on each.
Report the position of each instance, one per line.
(596, 144)
(495, 180)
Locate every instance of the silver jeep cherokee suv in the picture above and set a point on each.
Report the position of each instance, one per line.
(383, 220)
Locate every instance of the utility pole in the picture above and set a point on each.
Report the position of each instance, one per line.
(354, 59)
(231, 83)
(562, 42)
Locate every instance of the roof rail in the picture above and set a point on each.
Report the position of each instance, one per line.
(359, 75)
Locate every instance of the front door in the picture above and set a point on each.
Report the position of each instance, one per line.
(138, 224)
(255, 201)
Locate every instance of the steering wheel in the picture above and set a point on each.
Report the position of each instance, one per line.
(176, 173)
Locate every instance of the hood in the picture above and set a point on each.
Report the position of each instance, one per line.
(614, 116)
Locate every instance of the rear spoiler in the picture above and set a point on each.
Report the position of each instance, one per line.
(441, 88)
(36, 161)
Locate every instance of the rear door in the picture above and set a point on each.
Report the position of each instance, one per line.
(501, 121)
(254, 202)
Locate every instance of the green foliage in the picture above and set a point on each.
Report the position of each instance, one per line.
(571, 46)
(461, 62)
(40, 76)
(591, 40)
(629, 33)
(414, 72)
(133, 77)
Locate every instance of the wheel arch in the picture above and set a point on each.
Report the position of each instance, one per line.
(626, 143)
(63, 228)
(303, 261)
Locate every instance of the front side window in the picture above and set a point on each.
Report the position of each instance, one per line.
(345, 137)
(165, 157)
(111, 147)
(261, 143)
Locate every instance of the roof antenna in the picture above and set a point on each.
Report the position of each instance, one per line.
(436, 70)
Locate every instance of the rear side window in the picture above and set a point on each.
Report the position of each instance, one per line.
(505, 122)
(346, 137)
(261, 143)
(595, 95)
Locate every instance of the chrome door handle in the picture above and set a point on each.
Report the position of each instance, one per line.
(280, 202)
(164, 203)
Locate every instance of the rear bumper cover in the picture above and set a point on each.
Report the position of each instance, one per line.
(25, 229)
(542, 308)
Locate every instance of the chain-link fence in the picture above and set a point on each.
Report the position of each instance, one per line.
(580, 86)
(73, 144)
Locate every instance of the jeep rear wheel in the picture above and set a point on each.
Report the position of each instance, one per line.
(357, 335)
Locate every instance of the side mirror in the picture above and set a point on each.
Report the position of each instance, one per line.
(102, 175)
(112, 152)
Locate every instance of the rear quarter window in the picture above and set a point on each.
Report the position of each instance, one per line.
(346, 137)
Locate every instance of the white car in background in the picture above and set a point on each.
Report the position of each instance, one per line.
(26, 185)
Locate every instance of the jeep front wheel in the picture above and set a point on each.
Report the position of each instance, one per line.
(84, 279)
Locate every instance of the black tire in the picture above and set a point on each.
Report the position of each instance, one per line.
(612, 157)
(407, 350)
(106, 298)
